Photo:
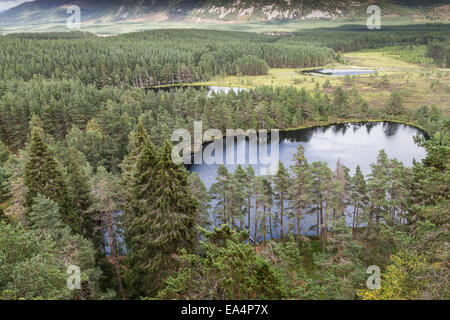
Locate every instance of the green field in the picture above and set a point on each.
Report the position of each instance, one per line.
(420, 84)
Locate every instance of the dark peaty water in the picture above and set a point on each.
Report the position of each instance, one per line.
(337, 72)
(352, 144)
(210, 89)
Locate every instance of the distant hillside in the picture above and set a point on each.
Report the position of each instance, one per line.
(54, 11)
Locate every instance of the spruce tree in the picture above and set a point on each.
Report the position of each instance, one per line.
(136, 222)
(138, 140)
(42, 176)
(163, 220)
(79, 189)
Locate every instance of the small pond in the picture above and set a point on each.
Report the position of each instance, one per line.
(337, 72)
(210, 89)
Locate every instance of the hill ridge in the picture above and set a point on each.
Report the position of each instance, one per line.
(53, 11)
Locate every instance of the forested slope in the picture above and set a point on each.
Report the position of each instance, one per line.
(52, 11)
(155, 58)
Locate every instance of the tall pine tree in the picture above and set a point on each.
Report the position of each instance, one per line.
(43, 176)
(282, 184)
(163, 220)
(300, 184)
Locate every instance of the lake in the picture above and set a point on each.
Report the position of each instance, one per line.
(352, 144)
(210, 89)
(337, 72)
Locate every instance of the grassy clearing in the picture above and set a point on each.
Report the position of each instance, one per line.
(419, 84)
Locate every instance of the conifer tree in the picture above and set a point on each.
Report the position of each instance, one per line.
(266, 201)
(378, 184)
(4, 153)
(320, 190)
(163, 221)
(429, 187)
(394, 106)
(398, 192)
(173, 211)
(258, 190)
(340, 190)
(5, 187)
(248, 188)
(3, 216)
(359, 196)
(44, 220)
(200, 194)
(378, 210)
(137, 222)
(299, 188)
(220, 192)
(138, 140)
(43, 176)
(229, 269)
(282, 184)
(238, 195)
(340, 99)
(339, 269)
(78, 186)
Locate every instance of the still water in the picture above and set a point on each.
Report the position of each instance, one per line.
(210, 89)
(337, 72)
(352, 144)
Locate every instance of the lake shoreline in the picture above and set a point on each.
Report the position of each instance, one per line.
(320, 124)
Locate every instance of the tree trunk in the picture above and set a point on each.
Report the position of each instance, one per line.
(321, 219)
(264, 224)
(113, 251)
(317, 223)
(256, 221)
(325, 227)
(248, 215)
(270, 227)
(281, 216)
